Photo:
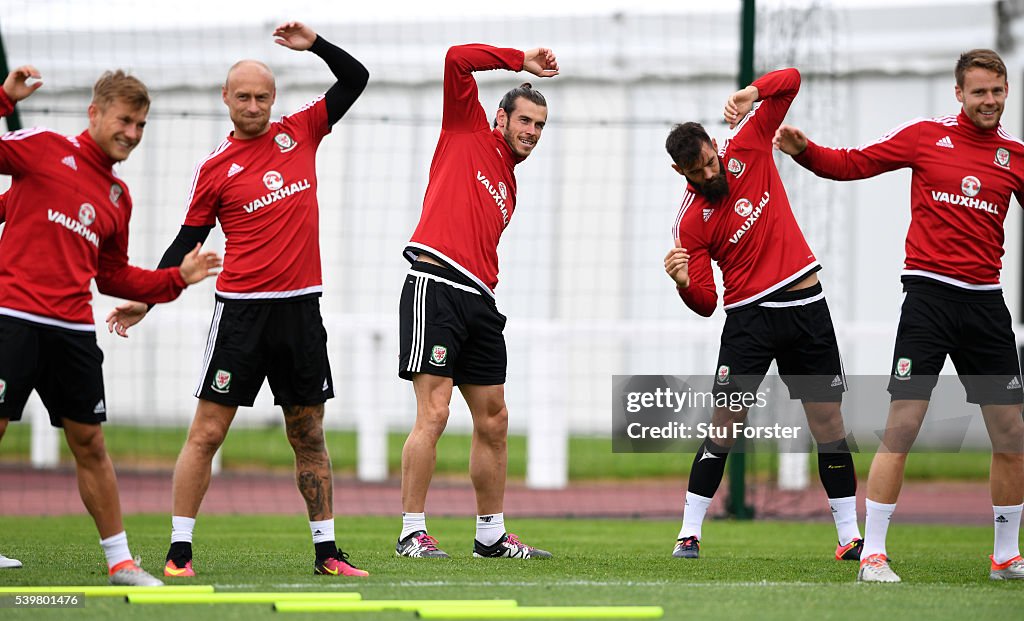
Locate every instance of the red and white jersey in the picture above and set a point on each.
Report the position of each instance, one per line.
(751, 233)
(959, 194)
(67, 216)
(263, 192)
(471, 194)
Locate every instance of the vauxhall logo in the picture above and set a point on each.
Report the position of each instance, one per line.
(970, 186)
(499, 194)
(743, 208)
(278, 190)
(86, 216)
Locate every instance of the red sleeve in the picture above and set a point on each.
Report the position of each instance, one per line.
(3, 207)
(13, 159)
(897, 149)
(116, 278)
(6, 105)
(701, 296)
(21, 150)
(462, 109)
(776, 92)
(203, 200)
(309, 121)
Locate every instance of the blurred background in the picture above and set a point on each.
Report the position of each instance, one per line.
(581, 263)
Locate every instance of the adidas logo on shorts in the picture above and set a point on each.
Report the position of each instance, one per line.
(838, 381)
(100, 408)
(1014, 383)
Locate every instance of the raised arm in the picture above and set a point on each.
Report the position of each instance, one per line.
(758, 109)
(13, 158)
(462, 109)
(897, 149)
(16, 86)
(352, 76)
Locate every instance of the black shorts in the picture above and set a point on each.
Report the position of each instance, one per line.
(795, 329)
(972, 327)
(64, 366)
(283, 341)
(448, 327)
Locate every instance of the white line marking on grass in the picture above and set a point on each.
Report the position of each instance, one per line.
(581, 583)
(321, 586)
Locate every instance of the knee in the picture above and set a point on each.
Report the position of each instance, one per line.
(205, 438)
(87, 445)
(305, 430)
(3, 427)
(432, 418)
(493, 426)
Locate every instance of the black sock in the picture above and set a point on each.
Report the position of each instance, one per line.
(835, 468)
(180, 553)
(325, 550)
(708, 469)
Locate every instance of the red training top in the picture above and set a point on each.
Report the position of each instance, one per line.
(67, 215)
(959, 192)
(751, 233)
(263, 191)
(471, 194)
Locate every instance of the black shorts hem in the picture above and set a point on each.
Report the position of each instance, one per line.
(480, 381)
(226, 401)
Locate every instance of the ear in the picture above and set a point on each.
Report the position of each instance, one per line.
(676, 168)
(94, 114)
(714, 145)
(959, 93)
(501, 118)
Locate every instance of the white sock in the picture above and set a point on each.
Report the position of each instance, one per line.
(490, 528)
(181, 528)
(323, 530)
(1007, 522)
(693, 515)
(876, 526)
(412, 522)
(844, 512)
(116, 548)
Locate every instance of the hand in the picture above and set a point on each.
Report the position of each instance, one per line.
(739, 104)
(125, 316)
(677, 263)
(790, 140)
(16, 86)
(294, 36)
(541, 62)
(196, 266)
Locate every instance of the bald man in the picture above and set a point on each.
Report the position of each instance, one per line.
(260, 184)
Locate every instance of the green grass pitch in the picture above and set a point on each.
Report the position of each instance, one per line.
(762, 570)
(267, 448)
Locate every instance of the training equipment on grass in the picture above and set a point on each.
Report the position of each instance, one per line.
(239, 598)
(541, 612)
(111, 591)
(406, 605)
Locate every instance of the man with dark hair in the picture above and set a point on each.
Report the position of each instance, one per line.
(451, 330)
(735, 211)
(66, 223)
(260, 183)
(965, 169)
